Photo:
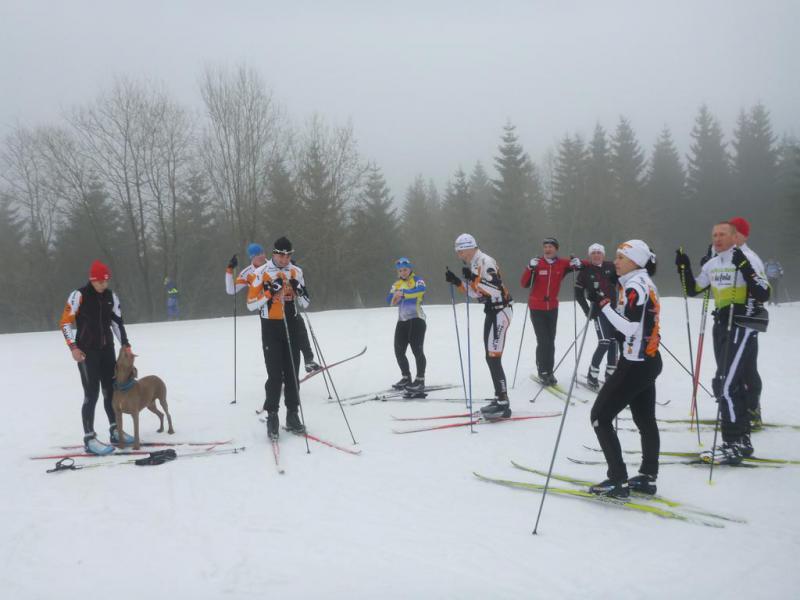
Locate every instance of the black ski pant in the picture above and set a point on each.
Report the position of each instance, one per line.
(410, 333)
(752, 381)
(495, 328)
(736, 367)
(97, 373)
(283, 359)
(302, 339)
(606, 344)
(544, 326)
(633, 384)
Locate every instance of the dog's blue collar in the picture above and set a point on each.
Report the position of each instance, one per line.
(124, 387)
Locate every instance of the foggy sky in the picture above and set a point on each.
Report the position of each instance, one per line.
(427, 85)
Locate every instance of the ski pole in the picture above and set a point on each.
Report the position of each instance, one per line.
(725, 354)
(234, 339)
(294, 374)
(695, 414)
(469, 366)
(519, 352)
(325, 365)
(560, 428)
(458, 342)
(677, 360)
(688, 330)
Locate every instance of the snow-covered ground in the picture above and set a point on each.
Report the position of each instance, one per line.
(406, 518)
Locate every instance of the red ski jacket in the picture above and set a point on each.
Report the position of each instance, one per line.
(547, 279)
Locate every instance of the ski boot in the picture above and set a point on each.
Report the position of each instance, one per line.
(312, 366)
(728, 453)
(612, 489)
(94, 446)
(273, 425)
(404, 381)
(644, 484)
(499, 408)
(416, 389)
(745, 446)
(113, 435)
(592, 382)
(293, 422)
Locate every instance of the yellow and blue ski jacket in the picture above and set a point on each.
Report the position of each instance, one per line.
(410, 305)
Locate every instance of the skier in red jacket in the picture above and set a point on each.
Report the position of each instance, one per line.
(544, 275)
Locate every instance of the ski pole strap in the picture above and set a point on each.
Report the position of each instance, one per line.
(159, 457)
(65, 464)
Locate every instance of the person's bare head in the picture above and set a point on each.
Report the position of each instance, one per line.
(723, 236)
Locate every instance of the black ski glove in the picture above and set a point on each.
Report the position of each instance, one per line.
(468, 274)
(274, 286)
(740, 261)
(708, 255)
(451, 278)
(233, 262)
(682, 260)
(596, 297)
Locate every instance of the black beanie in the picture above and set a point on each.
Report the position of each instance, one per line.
(550, 240)
(283, 246)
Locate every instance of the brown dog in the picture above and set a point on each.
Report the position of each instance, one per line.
(132, 395)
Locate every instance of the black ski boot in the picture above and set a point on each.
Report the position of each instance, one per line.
(644, 484)
(404, 381)
(293, 422)
(499, 408)
(592, 382)
(745, 446)
(728, 453)
(612, 489)
(417, 388)
(273, 425)
(312, 366)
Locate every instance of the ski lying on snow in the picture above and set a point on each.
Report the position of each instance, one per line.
(690, 461)
(114, 463)
(331, 365)
(402, 395)
(651, 497)
(711, 423)
(558, 391)
(393, 391)
(476, 421)
(616, 502)
(168, 444)
(314, 438)
(707, 453)
(276, 455)
(461, 415)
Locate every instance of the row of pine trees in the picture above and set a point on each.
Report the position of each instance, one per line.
(163, 194)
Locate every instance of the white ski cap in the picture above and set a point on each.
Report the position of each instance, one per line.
(465, 241)
(637, 251)
(597, 248)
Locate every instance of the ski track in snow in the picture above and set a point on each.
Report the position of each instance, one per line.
(406, 519)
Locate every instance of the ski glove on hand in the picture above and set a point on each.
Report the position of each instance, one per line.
(682, 260)
(533, 263)
(233, 262)
(708, 255)
(740, 261)
(468, 274)
(451, 278)
(575, 263)
(274, 286)
(596, 296)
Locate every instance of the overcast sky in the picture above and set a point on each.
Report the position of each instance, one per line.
(427, 85)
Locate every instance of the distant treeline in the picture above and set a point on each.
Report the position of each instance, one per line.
(160, 193)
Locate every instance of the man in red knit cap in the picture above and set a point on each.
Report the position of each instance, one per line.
(750, 376)
(91, 314)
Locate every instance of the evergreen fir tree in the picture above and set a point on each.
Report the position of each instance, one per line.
(571, 220)
(600, 190)
(708, 184)
(482, 192)
(665, 200)
(458, 208)
(282, 203)
(374, 241)
(13, 290)
(627, 171)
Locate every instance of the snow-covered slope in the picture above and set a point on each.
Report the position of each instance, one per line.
(406, 518)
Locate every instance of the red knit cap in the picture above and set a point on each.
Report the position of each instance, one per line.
(741, 224)
(99, 272)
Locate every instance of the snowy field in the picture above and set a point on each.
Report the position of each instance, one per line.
(406, 518)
